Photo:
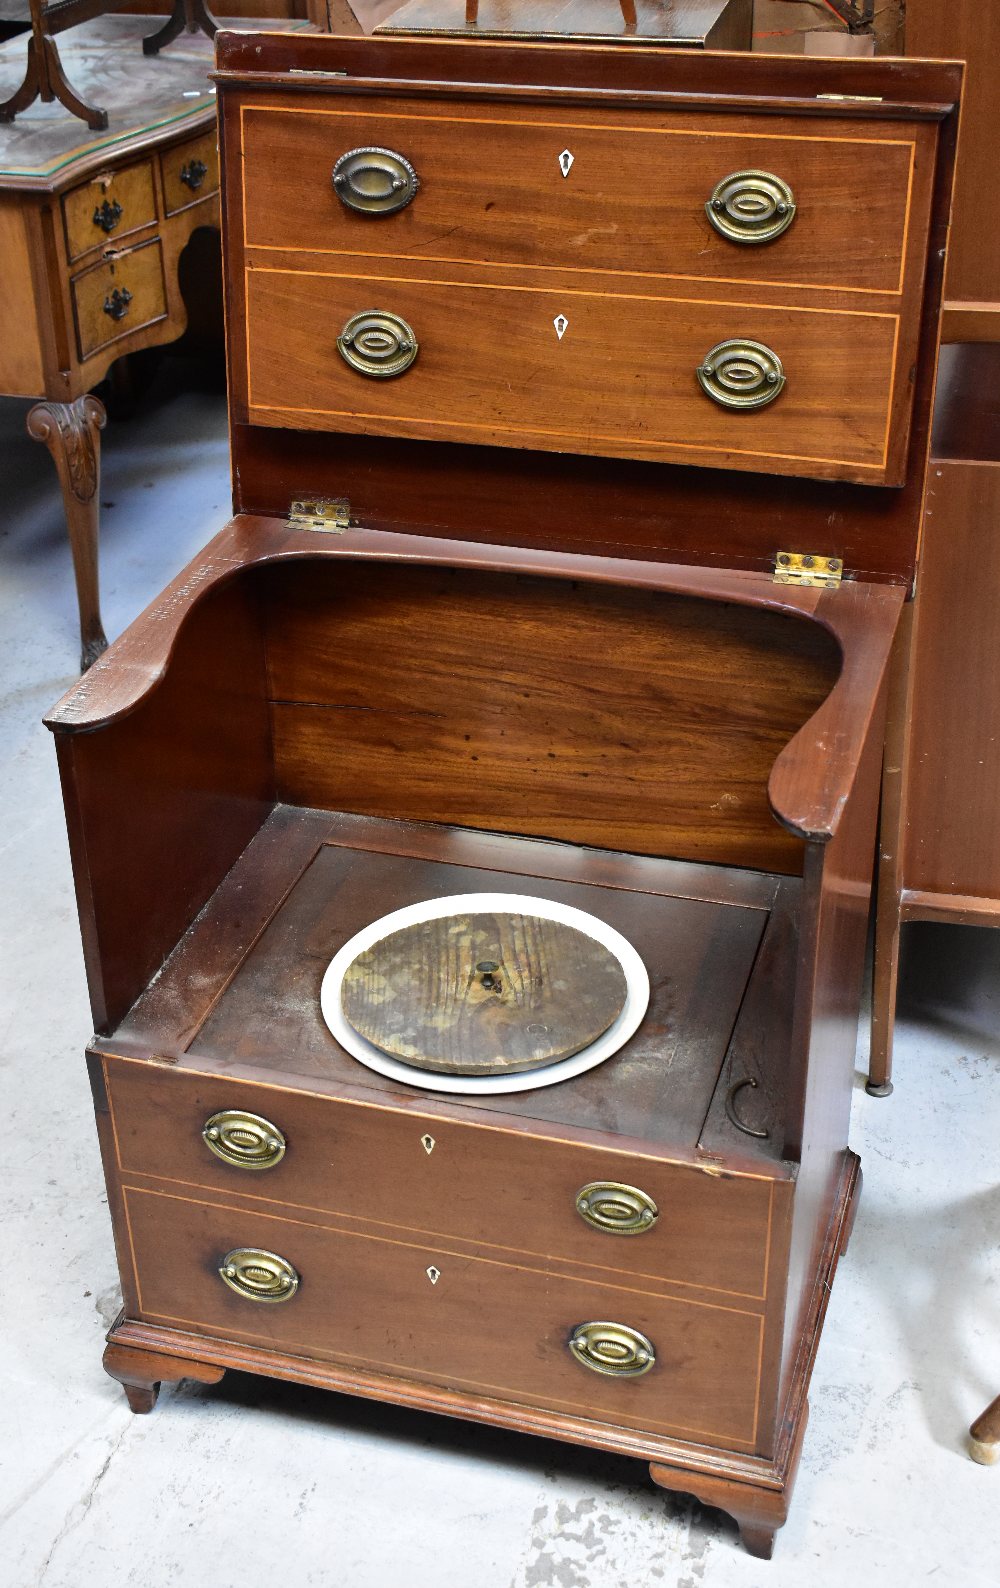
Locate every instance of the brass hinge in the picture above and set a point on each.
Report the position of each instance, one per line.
(854, 99)
(805, 568)
(332, 515)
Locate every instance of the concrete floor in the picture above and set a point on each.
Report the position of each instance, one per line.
(254, 1481)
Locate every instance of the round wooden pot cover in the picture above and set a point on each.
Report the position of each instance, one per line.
(483, 994)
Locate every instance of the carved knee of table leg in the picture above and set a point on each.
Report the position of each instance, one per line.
(140, 1373)
(984, 1436)
(71, 431)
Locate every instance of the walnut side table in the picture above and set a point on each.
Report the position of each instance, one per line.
(92, 226)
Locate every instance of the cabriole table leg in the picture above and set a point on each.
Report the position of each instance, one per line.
(71, 431)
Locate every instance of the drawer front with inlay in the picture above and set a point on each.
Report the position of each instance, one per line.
(119, 296)
(582, 1206)
(709, 381)
(752, 199)
(479, 1325)
(190, 172)
(98, 213)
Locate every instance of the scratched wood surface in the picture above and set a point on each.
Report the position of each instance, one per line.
(488, 993)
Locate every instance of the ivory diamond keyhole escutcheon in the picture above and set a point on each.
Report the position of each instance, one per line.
(433, 1274)
(566, 162)
(561, 324)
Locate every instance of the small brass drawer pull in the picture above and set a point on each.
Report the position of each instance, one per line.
(616, 1209)
(107, 215)
(751, 207)
(116, 306)
(244, 1140)
(374, 181)
(193, 174)
(378, 344)
(741, 374)
(612, 1348)
(257, 1275)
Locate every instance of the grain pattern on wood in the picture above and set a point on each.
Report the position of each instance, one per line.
(103, 210)
(952, 837)
(487, 1182)
(257, 58)
(160, 806)
(190, 171)
(483, 994)
(119, 296)
(492, 189)
(621, 380)
(967, 30)
(486, 717)
(704, 1382)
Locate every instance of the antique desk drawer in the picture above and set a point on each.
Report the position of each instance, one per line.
(575, 370)
(490, 185)
(396, 1305)
(508, 1189)
(119, 295)
(190, 172)
(108, 208)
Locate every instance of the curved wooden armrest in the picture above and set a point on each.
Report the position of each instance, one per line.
(813, 776)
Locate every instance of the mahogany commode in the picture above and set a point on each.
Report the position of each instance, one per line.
(584, 611)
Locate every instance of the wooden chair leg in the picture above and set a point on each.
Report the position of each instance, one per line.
(140, 1373)
(984, 1436)
(71, 431)
(884, 981)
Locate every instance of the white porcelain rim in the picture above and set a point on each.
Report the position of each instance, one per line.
(627, 1023)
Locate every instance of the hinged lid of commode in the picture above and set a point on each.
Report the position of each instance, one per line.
(616, 300)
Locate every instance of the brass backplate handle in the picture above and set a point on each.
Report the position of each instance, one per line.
(375, 181)
(246, 1141)
(751, 207)
(615, 1208)
(257, 1275)
(614, 1349)
(741, 375)
(378, 343)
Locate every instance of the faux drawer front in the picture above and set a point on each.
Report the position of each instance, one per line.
(388, 1305)
(633, 196)
(577, 371)
(190, 172)
(119, 296)
(108, 208)
(503, 1188)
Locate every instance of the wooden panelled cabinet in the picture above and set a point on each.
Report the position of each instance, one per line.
(500, 608)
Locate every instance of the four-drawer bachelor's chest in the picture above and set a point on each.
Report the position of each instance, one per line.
(579, 409)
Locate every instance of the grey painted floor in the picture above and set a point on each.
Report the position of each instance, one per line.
(256, 1482)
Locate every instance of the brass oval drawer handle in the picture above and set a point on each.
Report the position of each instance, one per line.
(244, 1140)
(116, 306)
(617, 1209)
(741, 374)
(375, 181)
(751, 207)
(377, 343)
(612, 1348)
(257, 1275)
(107, 215)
